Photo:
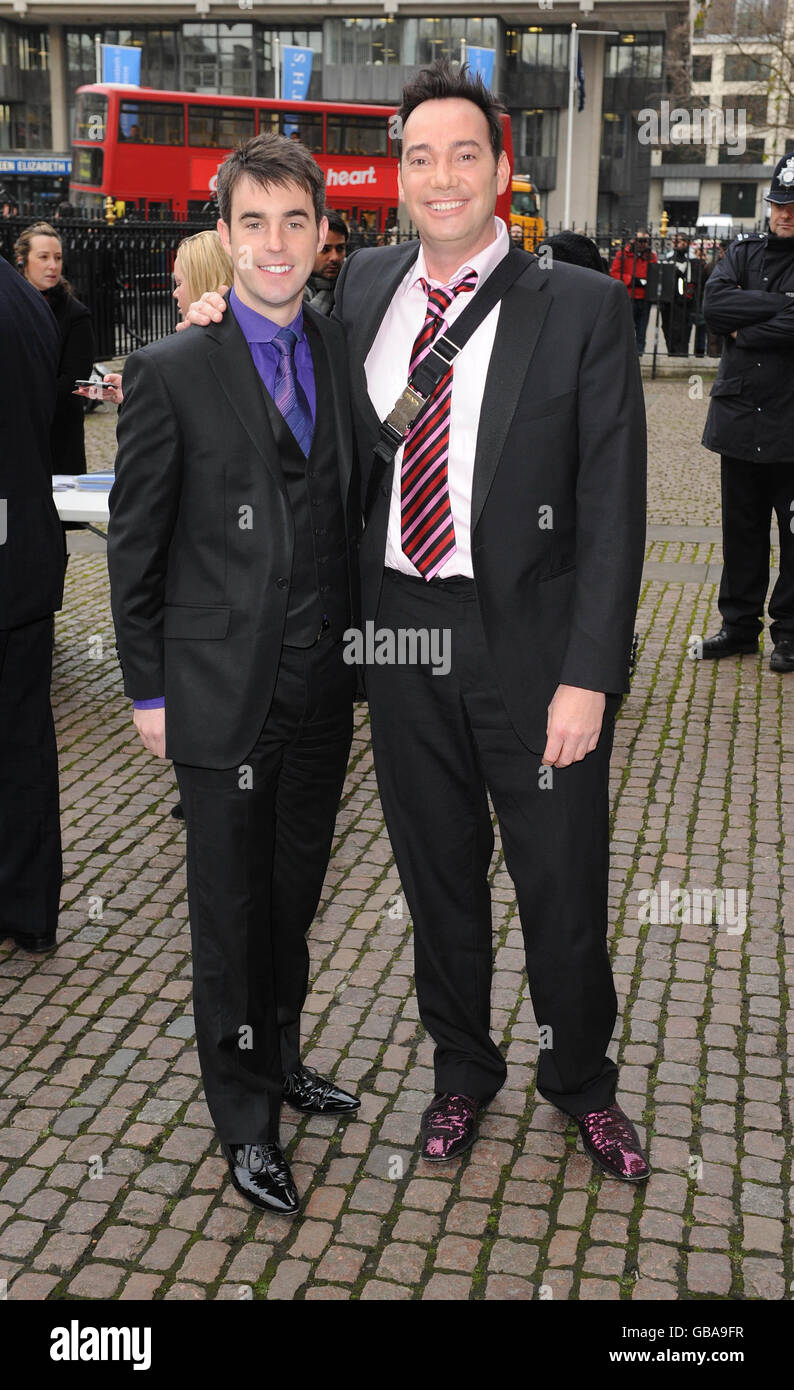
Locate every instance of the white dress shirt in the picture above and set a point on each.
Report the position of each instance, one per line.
(387, 369)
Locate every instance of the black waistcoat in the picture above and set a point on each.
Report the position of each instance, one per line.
(319, 580)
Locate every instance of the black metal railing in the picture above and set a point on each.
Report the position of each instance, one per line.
(123, 272)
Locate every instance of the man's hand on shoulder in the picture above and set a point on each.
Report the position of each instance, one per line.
(150, 724)
(574, 725)
(209, 309)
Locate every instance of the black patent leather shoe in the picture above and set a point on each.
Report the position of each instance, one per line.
(306, 1090)
(35, 944)
(725, 643)
(782, 658)
(261, 1174)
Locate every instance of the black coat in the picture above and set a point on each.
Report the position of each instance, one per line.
(199, 603)
(751, 415)
(75, 363)
(31, 539)
(562, 426)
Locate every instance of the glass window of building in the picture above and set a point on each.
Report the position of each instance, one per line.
(754, 151)
(424, 40)
(538, 138)
(754, 106)
(5, 126)
(743, 67)
(152, 122)
(306, 126)
(31, 127)
(385, 41)
(219, 127)
(536, 46)
(613, 135)
(701, 67)
(33, 50)
(738, 199)
(218, 58)
(637, 56)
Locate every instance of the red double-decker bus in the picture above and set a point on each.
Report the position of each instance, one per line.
(159, 152)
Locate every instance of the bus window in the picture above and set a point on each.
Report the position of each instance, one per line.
(364, 135)
(218, 128)
(87, 165)
(90, 116)
(152, 123)
(306, 126)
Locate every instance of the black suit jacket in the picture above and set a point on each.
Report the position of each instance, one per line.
(75, 363)
(562, 427)
(32, 550)
(201, 533)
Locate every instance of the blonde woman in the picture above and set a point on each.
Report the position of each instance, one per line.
(201, 264)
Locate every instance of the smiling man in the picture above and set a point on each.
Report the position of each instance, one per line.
(512, 518)
(231, 526)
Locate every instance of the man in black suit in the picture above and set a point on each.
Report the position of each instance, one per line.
(526, 548)
(511, 526)
(231, 524)
(31, 591)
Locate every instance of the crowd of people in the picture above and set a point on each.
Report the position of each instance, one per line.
(335, 442)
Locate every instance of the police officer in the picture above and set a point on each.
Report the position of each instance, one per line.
(750, 299)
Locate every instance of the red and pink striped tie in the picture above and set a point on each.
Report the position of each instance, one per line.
(427, 530)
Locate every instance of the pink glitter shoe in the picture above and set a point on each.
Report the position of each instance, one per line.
(449, 1127)
(613, 1143)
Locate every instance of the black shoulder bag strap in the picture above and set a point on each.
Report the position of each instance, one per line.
(424, 380)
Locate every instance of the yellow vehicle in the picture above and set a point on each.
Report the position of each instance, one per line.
(525, 213)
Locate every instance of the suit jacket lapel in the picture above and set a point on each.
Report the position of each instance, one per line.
(369, 321)
(316, 328)
(241, 383)
(521, 315)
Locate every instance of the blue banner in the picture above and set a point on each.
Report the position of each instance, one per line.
(120, 64)
(481, 60)
(296, 72)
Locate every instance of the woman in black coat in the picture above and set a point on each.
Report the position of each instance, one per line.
(39, 256)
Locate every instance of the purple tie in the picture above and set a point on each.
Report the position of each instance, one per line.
(288, 393)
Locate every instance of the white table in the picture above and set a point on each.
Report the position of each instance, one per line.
(85, 507)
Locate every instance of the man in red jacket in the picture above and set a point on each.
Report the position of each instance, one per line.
(631, 266)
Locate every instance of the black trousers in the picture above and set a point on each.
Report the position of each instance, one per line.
(258, 844)
(441, 743)
(750, 493)
(30, 828)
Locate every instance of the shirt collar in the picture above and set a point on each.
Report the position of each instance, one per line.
(483, 263)
(258, 328)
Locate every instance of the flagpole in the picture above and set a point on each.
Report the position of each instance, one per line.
(573, 49)
(572, 73)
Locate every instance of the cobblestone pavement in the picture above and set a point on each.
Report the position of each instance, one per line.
(111, 1181)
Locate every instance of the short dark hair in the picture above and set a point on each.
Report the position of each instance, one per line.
(270, 159)
(575, 249)
(336, 223)
(440, 81)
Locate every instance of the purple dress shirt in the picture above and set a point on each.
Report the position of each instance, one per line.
(258, 332)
